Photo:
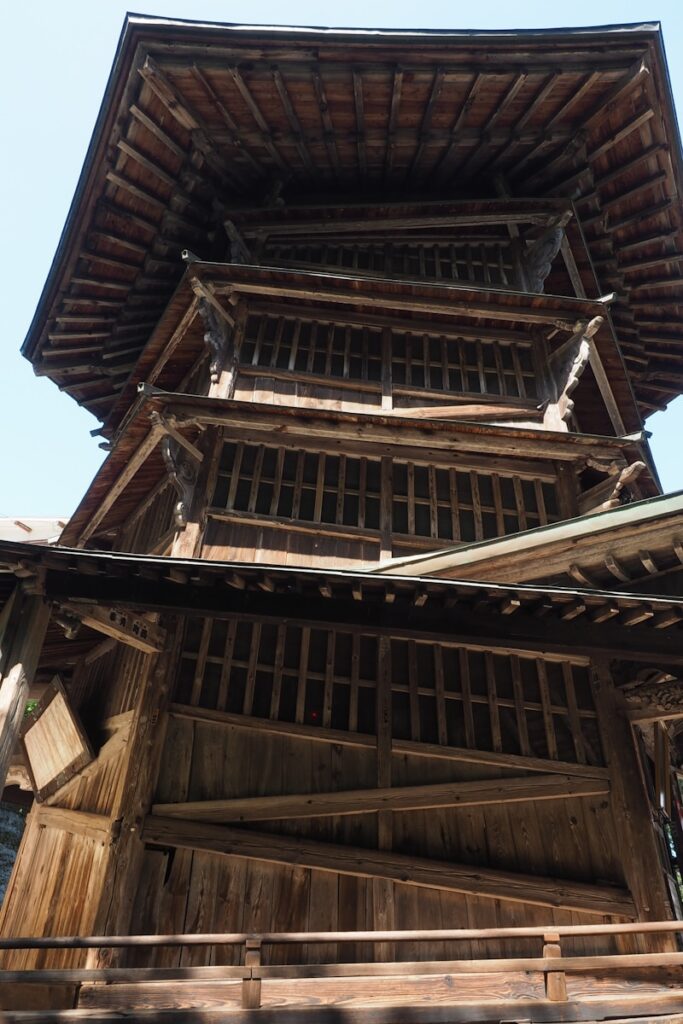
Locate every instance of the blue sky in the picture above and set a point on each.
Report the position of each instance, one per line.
(56, 60)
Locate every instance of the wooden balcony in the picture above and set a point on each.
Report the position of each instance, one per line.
(546, 986)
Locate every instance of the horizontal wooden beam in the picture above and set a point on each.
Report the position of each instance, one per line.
(403, 798)
(394, 867)
(122, 625)
(366, 741)
(84, 823)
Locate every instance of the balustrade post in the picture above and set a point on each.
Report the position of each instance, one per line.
(555, 981)
(251, 983)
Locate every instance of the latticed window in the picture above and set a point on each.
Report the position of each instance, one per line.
(443, 693)
(487, 262)
(408, 362)
(344, 490)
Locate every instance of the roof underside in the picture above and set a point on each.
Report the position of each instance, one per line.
(201, 118)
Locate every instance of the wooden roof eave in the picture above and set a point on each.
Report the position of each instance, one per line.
(474, 613)
(549, 551)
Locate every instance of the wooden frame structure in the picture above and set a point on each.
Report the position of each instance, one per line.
(372, 615)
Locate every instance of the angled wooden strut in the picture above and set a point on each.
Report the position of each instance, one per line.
(402, 798)
(397, 867)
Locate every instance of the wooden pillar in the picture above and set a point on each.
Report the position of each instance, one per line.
(120, 878)
(382, 888)
(22, 630)
(631, 811)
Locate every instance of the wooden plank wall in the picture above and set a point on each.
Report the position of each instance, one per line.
(56, 883)
(319, 680)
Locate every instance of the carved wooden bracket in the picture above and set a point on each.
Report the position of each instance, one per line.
(537, 258)
(566, 366)
(182, 471)
(218, 338)
(621, 493)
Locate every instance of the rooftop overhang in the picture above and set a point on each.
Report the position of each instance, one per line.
(202, 118)
(631, 627)
(627, 545)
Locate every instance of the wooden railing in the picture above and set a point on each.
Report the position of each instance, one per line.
(551, 962)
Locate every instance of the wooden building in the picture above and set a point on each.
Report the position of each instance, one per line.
(360, 657)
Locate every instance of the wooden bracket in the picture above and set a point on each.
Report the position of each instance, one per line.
(122, 625)
(182, 472)
(239, 251)
(566, 366)
(537, 259)
(217, 337)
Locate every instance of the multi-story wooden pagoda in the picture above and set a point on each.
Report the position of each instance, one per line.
(358, 664)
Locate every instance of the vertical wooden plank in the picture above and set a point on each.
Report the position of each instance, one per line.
(466, 691)
(319, 488)
(498, 504)
(235, 475)
(574, 718)
(387, 399)
(341, 491)
(455, 504)
(382, 889)
(433, 504)
(519, 376)
(329, 679)
(362, 488)
(519, 502)
(439, 688)
(412, 691)
(385, 516)
(256, 478)
(494, 712)
(410, 473)
(291, 365)
(277, 482)
(353, 695)
(298, 484)
(226, 667)
(476, 507)
(546, 704)
(303, 672)
(254, 652)
(200, 664)
(520, 713)
(277, 671)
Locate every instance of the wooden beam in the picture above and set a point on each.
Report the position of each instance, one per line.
(418, 871)
(122, 625)
(23, 624)
(404, 798)
(83, 823)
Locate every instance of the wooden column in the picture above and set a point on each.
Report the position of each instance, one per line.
(22, 630)
(120, 878)
(632, 814)
(383, 889)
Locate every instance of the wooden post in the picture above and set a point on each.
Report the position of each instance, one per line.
(383, 889)
(555, 981)
(631, 811)
(22, 631)
(251, 983)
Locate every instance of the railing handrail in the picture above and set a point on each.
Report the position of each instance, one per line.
(284, 938)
